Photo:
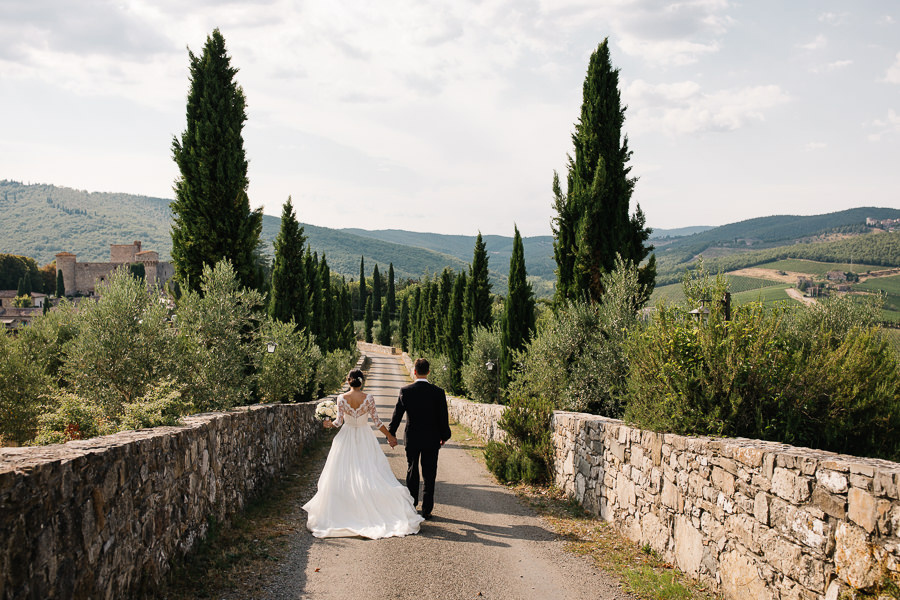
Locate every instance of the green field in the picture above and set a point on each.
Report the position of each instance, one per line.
(890, 287)
(737, 284)
(813, 267)
(766, 295)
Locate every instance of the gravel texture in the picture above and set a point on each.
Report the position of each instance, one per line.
(482, 542)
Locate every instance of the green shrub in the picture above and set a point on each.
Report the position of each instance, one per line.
(44, 342)
(292, 372)
(23, 387)
(122, 347)
(217, 339)
(70, 417)
(163, 404)
(483, 384)
(820, 378)
(334, 368)
(578, 356)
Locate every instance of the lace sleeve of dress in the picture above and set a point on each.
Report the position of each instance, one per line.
(340, 410)
(371, 402)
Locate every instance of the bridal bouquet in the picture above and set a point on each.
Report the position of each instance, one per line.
(326, 409)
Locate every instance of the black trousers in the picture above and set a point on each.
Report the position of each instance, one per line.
(429, 459)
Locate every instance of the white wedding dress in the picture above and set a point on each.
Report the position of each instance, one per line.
(358, 493)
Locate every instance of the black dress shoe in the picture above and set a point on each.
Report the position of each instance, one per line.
(426, 516)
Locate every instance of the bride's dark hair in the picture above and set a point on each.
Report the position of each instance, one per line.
(355, 378)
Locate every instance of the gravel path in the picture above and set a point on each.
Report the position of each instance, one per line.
(482, 542)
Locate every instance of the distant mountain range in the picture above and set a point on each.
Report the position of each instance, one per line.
(40, 220)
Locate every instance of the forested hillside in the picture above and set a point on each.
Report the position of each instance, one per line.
(741, 242)
(41, 220)
(538, 250)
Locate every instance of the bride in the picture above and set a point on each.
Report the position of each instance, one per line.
(358, 493)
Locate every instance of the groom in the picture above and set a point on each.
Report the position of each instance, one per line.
(427, 428)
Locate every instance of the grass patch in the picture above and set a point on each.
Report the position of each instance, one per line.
(766, 295)
(640, 571)
(814, 267)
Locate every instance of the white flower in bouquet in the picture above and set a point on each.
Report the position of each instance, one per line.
(326, 409)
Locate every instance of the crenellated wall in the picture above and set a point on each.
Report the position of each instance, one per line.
(101, 518)
(754, 519)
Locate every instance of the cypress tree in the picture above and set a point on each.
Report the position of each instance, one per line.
(20, 290)
(455, 349)
(518, 310)
(289, 294)
(404, 324)
(479, 309)
(391, 291)
(370, 321)
(60, 284)
(316, 301)
(592, 224)
(415, 321)
(211, 216)
(363, 293)
(442, 309)
(348, 337)
(377, 290)
(384, 333)
(329, 337)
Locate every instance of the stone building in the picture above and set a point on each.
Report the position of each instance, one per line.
(83, 278)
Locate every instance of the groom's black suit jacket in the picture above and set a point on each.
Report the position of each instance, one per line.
(427, 422)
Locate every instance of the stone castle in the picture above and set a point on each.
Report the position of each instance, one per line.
(83, 278)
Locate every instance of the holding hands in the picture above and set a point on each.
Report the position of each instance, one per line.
(392, 440)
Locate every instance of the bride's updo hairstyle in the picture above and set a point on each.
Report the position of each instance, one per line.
(355, 378)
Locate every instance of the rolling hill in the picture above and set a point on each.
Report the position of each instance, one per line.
(40, 220)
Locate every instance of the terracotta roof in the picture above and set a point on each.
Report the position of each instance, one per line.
(64, 254)
(8, 293)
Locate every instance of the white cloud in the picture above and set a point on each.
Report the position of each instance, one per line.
(833, 66)
(888, 126)
(886, 20)
(813, 146)
(820, 42)
(832, 18)
(683, 108)
(893, 73)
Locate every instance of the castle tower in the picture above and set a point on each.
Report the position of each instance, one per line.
(65, 262)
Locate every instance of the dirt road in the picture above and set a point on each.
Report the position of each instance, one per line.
(482, 543)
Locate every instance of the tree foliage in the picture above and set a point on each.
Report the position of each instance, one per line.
(211, 216)
(288, 299)
(518, 311)
(592, 223)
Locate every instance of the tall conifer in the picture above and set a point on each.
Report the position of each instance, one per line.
(377, 290)
(288, 296)
(329, 334)
(370, 320)
(363, 293)
(391, 291)
(592, 224)
(404, 324)
(384, 333)
(60, 284)
(480, 285)
(518, 310)
(211, 216)
(455, 332)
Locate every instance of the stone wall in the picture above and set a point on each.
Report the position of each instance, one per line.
(753, 519)
(102, 518)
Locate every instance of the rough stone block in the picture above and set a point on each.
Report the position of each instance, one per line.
(833, 481)
(741, 579)
(761, 508)
(688, 546)
(861, 509)
(834, 506)
(790, 486)
(723, 480)
(749, 455)
(854, 557)
(887, 484)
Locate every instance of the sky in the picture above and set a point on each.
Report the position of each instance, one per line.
(451, 117)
